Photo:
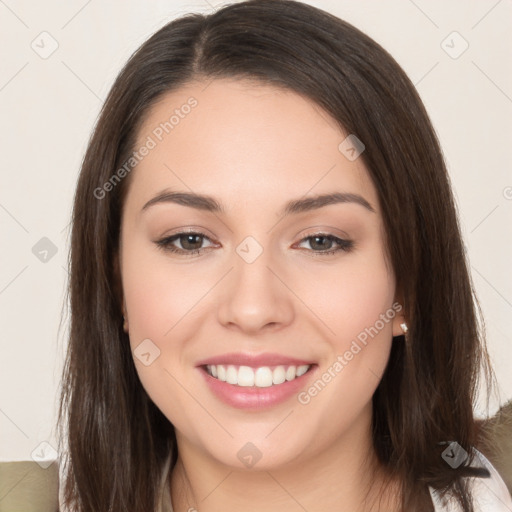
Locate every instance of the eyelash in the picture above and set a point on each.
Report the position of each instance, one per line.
(165, 243)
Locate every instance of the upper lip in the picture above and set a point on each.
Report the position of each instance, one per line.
(253, 360)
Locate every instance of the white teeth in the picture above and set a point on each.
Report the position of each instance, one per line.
(231, 375)
(301, 370)
(221, 373)
(245, 376)
(261, 377)
(279, 375)
(291, 372)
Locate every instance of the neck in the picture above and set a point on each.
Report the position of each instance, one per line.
(344, 477)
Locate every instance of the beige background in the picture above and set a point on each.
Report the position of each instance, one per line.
(48, 107)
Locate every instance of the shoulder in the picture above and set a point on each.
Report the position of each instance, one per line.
(489, 494)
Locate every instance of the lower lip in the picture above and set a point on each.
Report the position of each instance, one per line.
(253, 397)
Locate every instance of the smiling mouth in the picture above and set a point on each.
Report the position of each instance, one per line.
(260, 377)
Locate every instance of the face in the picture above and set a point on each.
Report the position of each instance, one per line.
(239, 287)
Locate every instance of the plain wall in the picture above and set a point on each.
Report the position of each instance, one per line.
(49, 105)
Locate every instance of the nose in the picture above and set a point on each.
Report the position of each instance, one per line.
(255, 296)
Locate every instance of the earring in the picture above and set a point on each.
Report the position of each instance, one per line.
(404, 327)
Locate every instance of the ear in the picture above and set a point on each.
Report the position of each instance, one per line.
(399, 319)
(398, 307)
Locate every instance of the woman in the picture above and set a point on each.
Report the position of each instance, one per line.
(271, 306)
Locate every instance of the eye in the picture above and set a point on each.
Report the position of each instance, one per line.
(190, 242)
(325, 241)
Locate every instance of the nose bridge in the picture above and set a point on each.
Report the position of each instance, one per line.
(251, 273)
(254, 296)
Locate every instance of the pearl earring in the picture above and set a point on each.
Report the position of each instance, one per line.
(404, 327)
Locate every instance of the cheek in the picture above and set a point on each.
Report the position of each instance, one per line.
(348, 299)
(163, 302)
(158, 295)
(364, 298)
(358, 309)
(160, 306)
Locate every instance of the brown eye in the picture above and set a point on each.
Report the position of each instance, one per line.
(190, 243)
(322, 243)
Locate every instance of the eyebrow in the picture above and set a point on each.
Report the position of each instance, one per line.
(210, 204)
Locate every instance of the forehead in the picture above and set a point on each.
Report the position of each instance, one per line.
(244, 141)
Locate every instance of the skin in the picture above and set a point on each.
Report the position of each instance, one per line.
(254, 147)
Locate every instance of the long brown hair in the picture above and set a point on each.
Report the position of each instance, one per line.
(118, 440)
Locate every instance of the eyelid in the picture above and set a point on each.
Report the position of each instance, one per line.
(323, 229)
(196, 230)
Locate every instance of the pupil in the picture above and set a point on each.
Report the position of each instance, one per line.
(190, 240)
(320, 238)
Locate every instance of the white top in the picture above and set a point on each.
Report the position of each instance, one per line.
(489, 494)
